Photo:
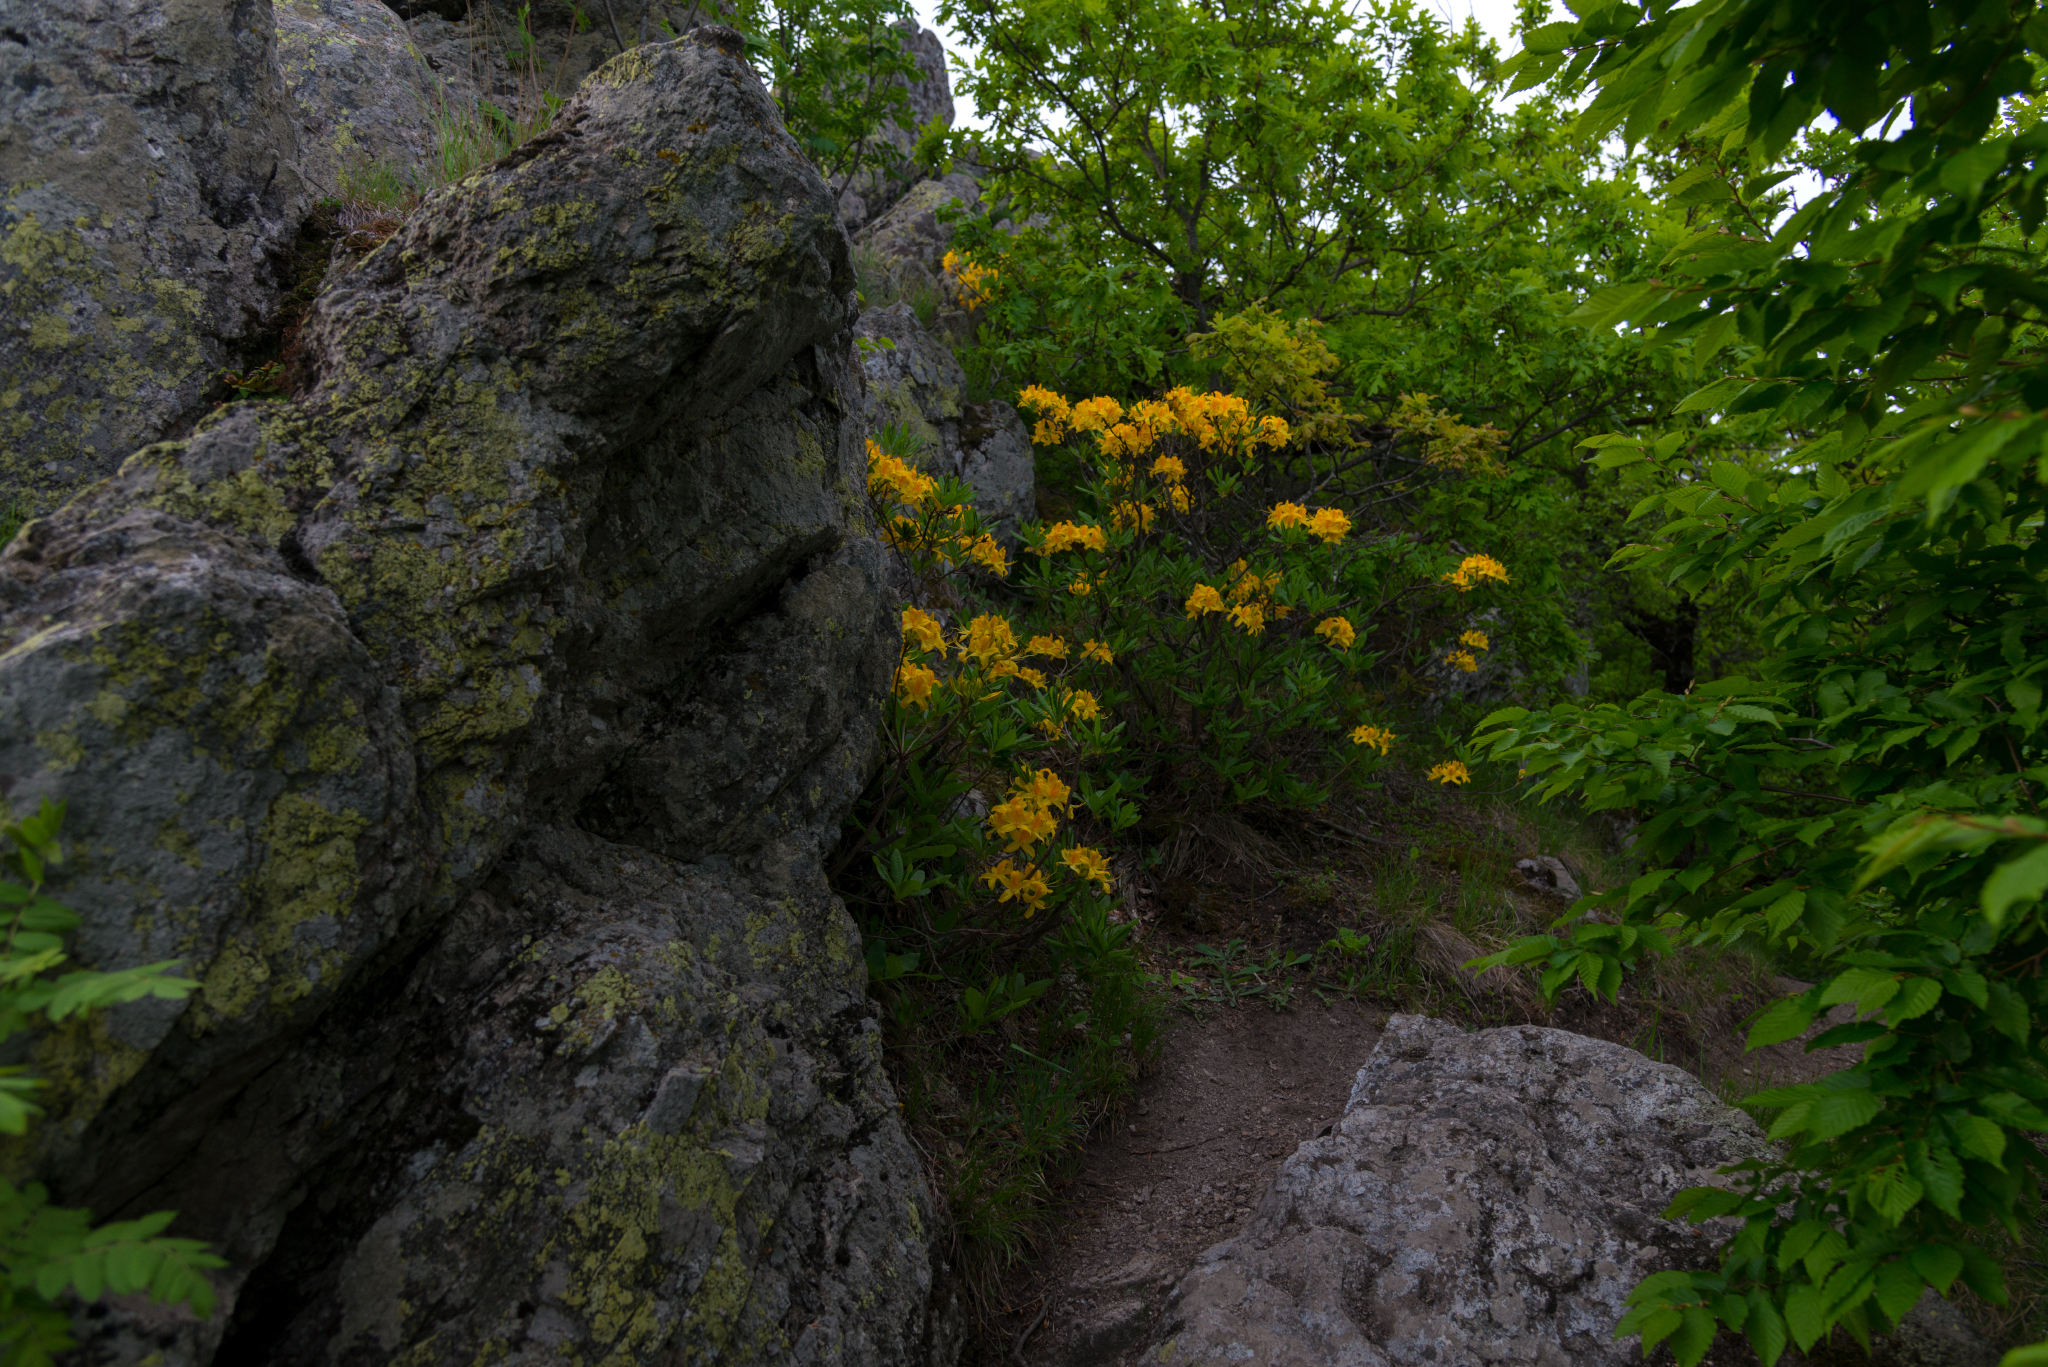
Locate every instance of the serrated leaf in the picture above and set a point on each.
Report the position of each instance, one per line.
(1915, 999)
(1786, 1019)
(1841, 1112)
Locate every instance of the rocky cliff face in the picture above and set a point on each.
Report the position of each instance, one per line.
(147, 157)
(471, 729)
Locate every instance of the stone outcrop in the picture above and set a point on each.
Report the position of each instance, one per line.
(1490, 1197)
(147, 163)
(471, 728)
(915, 381)
(906, 247)
(886, 171)
(362, 93)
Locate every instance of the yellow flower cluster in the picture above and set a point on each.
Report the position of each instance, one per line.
(1072, 536)
(1026, 817)
(1378, 737)
(1052, 647)
(914, 685)
(1339, 630)
(1096, 650)
(1474, 569)
(1451, 771)
(1464, 660)
(1026, 884)
(972, 284)
(1476, 639)
(1090, 864)
(924, 629)
(1331, 524)
(990, 637)
(1128, 516)
(1203, 599)
(940, 531)
(1212, 421)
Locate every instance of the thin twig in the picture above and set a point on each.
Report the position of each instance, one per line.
(612, 19)
(1017, 1348)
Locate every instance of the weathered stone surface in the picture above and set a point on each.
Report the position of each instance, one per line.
(917, 382)
(907, 245)
(1490, 1197)
(1548, 873)
(361, 91)
(146, 163)
(569, 534)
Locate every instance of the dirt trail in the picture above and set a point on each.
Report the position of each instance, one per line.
(1203, 1136)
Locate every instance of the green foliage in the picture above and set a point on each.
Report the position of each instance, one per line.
(48, 1252)
(1866, 808)
(839, 71)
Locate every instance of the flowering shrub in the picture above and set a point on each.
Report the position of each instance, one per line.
(1204, 627)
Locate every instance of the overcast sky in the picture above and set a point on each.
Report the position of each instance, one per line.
(1497, 17)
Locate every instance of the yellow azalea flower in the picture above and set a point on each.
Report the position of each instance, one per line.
(1170, 468)
(1476, 639)
(1250, 616)
(989, 637)
(1097, 415)
(1090, 865)
(987, 552)
(1330, 524)
(1462, 659)
(1042, 789)
(1006, 876)
(1378, 737)
(1203, 599)
(1052, 729)
(914, 684)
(921, 627)
(1285, 515)
(1052, 647)
(889, 476)
(1137, 515)
(1451, 771)
(1022, 824)
(1339, 630)
(1083, 705)
(1028, 675)
(1033, 891)
(1068, 536)
(1475, 568)
(1054, 414)
(1080, 586)
(1177, 495)
(1096, 650)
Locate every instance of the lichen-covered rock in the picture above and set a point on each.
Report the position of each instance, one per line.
(362, 95)
(908, 244)
(1490, 1197)
(146, 184)
(472, 729)
(917, 382)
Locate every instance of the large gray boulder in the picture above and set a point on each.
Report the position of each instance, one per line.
(905, 249)
(914, 380)
(471, 729)
(147, 184)
(1487, 1197)
(362, 94)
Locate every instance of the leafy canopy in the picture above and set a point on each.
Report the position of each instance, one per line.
(1867, 808)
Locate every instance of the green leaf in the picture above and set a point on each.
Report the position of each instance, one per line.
(1916, 999)
(1841, 1112)
(1937, 1265)
(2015, 881)
(1785, 1019)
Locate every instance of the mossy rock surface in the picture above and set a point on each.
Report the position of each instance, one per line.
(147, 187)
(471, 729)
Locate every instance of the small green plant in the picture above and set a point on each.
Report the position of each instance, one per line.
(266, 381)
(379, 185)
(12, 517)
(49, 1253)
